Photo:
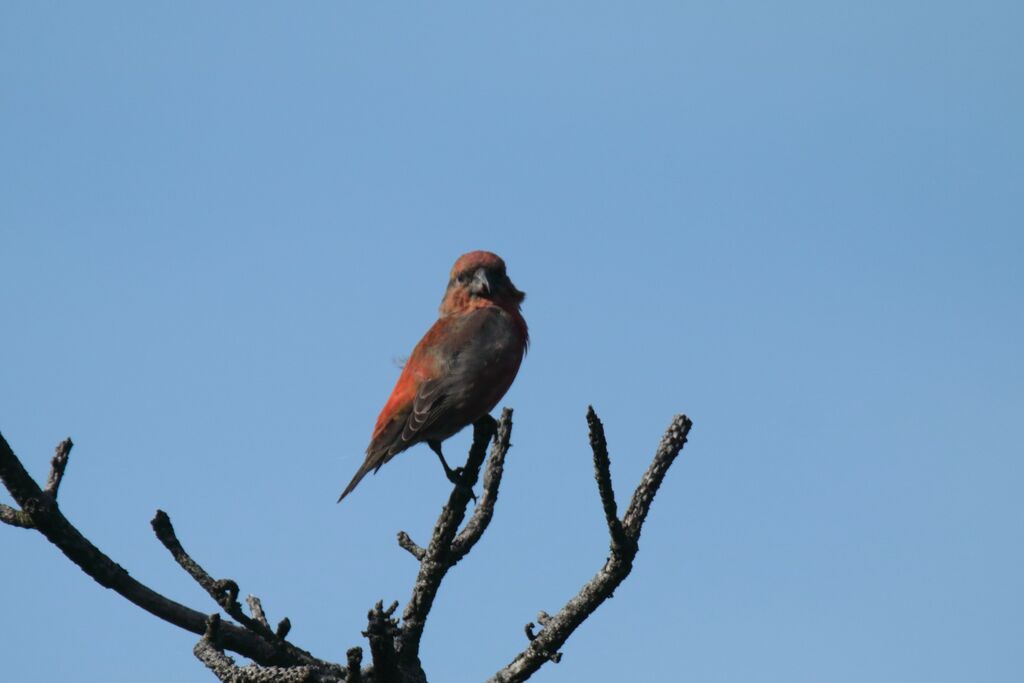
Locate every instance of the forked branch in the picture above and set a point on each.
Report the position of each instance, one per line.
(394, 643)
(39, 507)
(624, 543)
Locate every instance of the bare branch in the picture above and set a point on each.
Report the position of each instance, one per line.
(224, 591)
(283, 628)
(394, 648)
(256, 609)
(438, 557)
(671, 443)
(57, 465)
(542, 619)
(21, 518)
(210, 652)
(18, 518)
(60, 532)
(354, 661)
(381, 631)
(408, 544)
(557, 629)
(484, 511)
(602, 472)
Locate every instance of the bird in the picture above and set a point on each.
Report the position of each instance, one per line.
(459, 370)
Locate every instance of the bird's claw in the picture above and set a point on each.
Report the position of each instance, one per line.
(458, 477)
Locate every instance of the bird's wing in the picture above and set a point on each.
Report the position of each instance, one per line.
(476, 358)
(415, 403)
(450, 377)
(427, 406)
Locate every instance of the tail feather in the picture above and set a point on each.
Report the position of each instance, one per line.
(363, 471)
(386, 444)
(374, 459)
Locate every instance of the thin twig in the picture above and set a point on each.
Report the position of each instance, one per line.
(52, 524)
(22, 519)
(18, 518)
(557, 629)
(406, 543)
(224, 591)
(57, 466)
(602, 472)
(438, 557)
(283, 628)
(221, 592)
(256, 609)
(671, 443)
(493, 472)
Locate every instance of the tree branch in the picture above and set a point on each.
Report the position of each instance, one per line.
(602, 472)
(545, 645)
(382, 631)
(438, 558)
(211, 653)
(51, 523)
(478, 523)
(408, 544)
(354, 659)
(18, 518)
(224, 592)
(671, 443)
(256, 609)
(57, 465)
(394, 646)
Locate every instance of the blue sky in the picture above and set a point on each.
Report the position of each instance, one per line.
(799, 223)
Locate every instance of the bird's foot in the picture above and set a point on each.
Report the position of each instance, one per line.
(458, 477)
(489, 423)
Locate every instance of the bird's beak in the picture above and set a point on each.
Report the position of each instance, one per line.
(480, 283)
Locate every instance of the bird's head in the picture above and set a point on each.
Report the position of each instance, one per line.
(476, 276)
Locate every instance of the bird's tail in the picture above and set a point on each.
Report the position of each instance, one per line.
(373, 461)
(363, 471)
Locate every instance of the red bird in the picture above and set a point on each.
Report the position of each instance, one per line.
(459, 370)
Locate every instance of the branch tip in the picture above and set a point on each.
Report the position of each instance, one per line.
(18, 518)
(544, 646)
(406, 543)
(354, 661)
(256, 609)
(283, 627)
(57, 466)
(603, 475)
(212, 627)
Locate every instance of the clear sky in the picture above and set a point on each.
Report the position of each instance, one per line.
(800, 223)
